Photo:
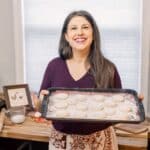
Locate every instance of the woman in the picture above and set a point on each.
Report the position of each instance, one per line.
(81, 65)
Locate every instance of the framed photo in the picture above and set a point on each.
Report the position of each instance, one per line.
(17, 95)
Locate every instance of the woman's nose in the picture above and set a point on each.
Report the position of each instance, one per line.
(80, 31)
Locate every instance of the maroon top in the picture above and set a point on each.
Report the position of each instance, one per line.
(57, 75)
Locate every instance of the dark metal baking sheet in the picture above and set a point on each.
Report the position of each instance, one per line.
(139, 105)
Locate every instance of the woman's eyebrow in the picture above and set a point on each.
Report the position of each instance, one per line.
(77, 25)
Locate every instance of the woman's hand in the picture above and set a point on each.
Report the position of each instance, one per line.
(37, 101)
(42, 94)
(141, 97)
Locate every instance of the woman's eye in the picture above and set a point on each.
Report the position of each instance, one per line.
(76, 28)
(85, 27)
(73, 28)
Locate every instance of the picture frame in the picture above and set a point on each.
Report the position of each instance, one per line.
(17, 95)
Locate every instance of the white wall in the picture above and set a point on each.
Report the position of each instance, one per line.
(145, 64)
(7, 55)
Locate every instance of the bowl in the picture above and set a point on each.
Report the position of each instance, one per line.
(17, 114)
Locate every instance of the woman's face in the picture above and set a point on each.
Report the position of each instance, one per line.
(79, 34)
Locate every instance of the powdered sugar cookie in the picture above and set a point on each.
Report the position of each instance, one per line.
(80, 97)
(118, 98)
(81, 106)
(97, 115)
(98, 97)
(124, 108)
(51, 108)
(61, 113)
(61, 104)
(110, 111)
(78, 114)
(132, 116)
(60, 96)
(121, 116)
(132, 106)
(72, 100)
(109, 102)
(93, 106)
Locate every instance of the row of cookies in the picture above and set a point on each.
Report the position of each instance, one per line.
(92, 106)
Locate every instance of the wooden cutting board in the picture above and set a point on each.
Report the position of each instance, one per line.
(2, 118)
(131, 128)
(29, 130)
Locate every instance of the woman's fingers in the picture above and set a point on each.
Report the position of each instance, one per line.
(42, 93)
(36, 101)
(141, 97)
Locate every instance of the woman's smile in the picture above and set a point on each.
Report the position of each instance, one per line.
(80, 40)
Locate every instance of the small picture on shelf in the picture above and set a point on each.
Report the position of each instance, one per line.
(17, 95)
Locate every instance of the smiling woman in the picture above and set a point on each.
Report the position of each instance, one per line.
(80, 46)
(120, 35)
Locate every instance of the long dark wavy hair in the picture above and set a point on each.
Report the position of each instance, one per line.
(101, 68)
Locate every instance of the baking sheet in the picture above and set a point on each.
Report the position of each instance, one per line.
(80, 106)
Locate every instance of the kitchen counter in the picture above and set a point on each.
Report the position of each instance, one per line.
(37, 131)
